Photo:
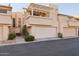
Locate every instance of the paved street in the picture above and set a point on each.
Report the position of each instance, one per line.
(66, 47)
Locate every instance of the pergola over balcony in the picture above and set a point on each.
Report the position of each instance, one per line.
(36, 12)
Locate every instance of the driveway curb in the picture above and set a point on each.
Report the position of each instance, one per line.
(54, 39)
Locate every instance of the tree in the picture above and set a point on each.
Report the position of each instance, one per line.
(25, 31)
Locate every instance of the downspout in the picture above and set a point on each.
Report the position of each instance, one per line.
(58, 23)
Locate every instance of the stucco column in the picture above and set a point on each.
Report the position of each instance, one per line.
(59, 27)
(51, 14)
(32, 12)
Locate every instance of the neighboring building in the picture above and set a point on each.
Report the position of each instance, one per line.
(5, 21)
(18, 21)
(69, 25)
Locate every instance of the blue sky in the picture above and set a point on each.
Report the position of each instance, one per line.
(65, 8)
(69, 9)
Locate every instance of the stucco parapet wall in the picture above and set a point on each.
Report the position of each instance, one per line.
(40, 20)
(68, 20)
(70, 16)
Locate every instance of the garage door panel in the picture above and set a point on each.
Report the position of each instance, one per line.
(69, 32)
(43, 32)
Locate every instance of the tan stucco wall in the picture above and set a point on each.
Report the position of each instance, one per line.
(62, 22)
(5, 19)
(40, 20)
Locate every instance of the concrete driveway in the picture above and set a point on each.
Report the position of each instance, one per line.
(67, 47)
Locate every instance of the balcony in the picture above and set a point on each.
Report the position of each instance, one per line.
(39, 20)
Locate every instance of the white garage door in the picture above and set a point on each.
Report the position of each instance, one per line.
(43, 31)
(69, 32)
(0, 32)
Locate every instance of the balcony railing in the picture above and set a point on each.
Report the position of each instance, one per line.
(39, 20)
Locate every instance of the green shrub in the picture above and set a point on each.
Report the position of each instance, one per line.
(60, 35)
(29, 38)
(11, 36)
(26, 35)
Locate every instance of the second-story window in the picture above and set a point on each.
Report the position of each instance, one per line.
(37, 13)
(19, 22)
(3, 11)
(43, 14)
(14, 24)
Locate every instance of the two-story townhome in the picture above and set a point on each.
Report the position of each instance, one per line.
(45, 21)
(5, 21)
(42, 20)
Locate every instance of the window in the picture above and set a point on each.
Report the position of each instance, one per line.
(3, 11)
(37, 13)
(14, 24)
(43, 14)
(19, 22)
